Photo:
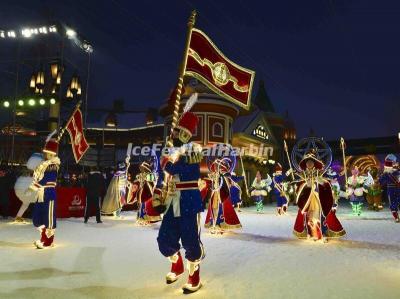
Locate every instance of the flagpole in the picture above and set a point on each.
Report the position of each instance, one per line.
(244, 177)
(175, 115)
(342, 146)
(177, 103)
(287, 156)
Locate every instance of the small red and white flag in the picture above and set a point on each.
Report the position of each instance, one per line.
(78, 140)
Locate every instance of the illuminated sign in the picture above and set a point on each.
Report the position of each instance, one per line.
(260, 132)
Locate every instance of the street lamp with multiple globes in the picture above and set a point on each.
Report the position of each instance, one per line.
(53, 91)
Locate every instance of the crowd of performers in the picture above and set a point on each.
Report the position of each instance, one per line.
(175, 194)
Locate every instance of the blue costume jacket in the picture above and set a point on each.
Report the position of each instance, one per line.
(44, 212)
(234, 190)
(392, 181)
(277, 181)
(190, 200)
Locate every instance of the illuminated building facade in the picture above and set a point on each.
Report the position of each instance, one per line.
(260, 131)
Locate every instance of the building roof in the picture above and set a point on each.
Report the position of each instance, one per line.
(262, 100)
(97, 119)
(242, 122)
(247, 123)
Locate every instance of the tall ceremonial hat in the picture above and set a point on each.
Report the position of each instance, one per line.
(390, 160)
(318, 164)
(51, 144)
(278, 167)
(188, 121)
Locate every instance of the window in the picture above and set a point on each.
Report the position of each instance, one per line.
(217, 130)
(198, 133)
(195, 131)
(230, 132)
(260, 132)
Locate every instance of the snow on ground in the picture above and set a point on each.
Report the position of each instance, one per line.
(117, 259)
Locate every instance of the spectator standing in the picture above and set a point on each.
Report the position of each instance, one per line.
(95, 186)
(5, 186)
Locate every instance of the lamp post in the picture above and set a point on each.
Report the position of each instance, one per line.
(112, 122)
(15, 104)
(38, 81)
(398, 141)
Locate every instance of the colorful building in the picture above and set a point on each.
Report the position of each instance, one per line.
(260, 131)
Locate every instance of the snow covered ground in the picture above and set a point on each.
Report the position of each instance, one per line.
(117, 259)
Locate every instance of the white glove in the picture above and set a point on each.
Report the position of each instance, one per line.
(289, 172)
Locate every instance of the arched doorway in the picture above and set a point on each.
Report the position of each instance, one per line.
(364, 163)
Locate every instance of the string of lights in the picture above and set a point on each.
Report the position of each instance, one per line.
(30, 32)
(30, 101)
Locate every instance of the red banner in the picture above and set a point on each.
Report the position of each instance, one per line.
(71, 202)
(208, 64)
(78, 140)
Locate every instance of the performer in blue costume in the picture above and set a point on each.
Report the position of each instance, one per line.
(236, 192)
(183, 204)
(391, 178)
(278, 179)
(44, 183)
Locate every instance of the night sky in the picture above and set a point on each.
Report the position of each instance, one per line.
(334, 64)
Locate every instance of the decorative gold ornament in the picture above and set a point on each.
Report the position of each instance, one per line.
(219, 71)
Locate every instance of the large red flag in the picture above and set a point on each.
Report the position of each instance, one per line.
(206, 63)
(78, 140)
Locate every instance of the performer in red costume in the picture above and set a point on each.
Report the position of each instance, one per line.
(223, 190)
(316, 217)
(141, 190)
